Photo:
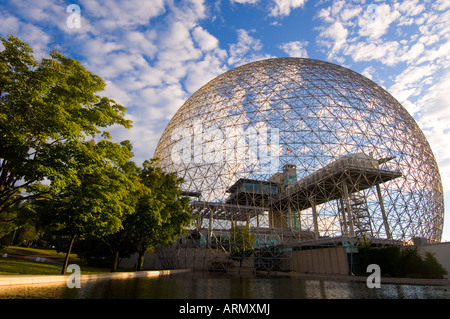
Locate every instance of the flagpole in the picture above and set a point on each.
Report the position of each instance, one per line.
(286, 156)
(287, 150)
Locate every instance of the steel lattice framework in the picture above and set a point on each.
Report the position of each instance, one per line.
(301, 149)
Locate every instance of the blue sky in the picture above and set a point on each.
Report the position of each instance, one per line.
(154, 54)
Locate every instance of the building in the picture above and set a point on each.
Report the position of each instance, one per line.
(301, 153)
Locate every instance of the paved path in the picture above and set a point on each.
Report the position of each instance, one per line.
(9, 280)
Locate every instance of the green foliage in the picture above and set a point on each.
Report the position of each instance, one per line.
(402, 262)
(17, 224)
(432, 267)
(241, 243)
(411, 264)
(48, 109)
(59, 169)
(96, 204)
(364, 242)
(387, 258)
(161, 212)
(170, 208)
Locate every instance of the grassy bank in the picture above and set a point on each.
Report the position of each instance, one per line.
(29, 266)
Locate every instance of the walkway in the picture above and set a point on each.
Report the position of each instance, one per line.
(9, 280)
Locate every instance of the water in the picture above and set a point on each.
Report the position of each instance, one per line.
(223, 286)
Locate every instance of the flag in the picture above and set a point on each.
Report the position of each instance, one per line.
(288, 149)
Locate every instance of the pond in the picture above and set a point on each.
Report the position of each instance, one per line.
(204, 285)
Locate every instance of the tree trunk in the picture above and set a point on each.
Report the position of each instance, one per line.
(140, 263)
(115, 260)
(141, 252)
(66, 260)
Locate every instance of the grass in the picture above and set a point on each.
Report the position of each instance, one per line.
(53, 254)
(30, 267)
(26, 267)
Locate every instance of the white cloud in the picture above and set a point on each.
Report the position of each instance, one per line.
(365, 36)
(368, 72)
(435, 102)
(206, 41)
(175, 47)
(334, 37)
(114, 14)
(410, 7)
(39, 11)
(201, 72)
(375, 21)
(284, 7)
(389, 52)
(149, 68)
(295, 48)
(33, 35)
(441, 5)
(350, 12)
(408, 84)
(117, 93)
(141, 42)
(187, 12)
(245, 50)
(414, 38)
(325, 15)
(245, 1)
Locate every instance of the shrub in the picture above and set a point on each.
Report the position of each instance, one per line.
(405, 262)
(433, 268)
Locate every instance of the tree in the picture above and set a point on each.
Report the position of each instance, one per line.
(50, 115)
(98, 203)
(17, 224)
(161, 214)
(121, 240)
(241, 243)
(48, 109)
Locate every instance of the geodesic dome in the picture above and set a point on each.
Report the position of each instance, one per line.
(248, 123)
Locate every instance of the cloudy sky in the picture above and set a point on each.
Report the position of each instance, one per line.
(154, 54)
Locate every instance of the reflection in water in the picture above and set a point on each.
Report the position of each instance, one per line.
(222, 286)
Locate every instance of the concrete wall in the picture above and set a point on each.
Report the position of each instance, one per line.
(206, 259)
(440, 250)
(151, 261)
(331, 260)
(191, 258)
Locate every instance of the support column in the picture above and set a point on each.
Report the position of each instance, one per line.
(200, 222)
(257, 219)
(315, 221)
(290, 216)
(300, 220)
(344, 219)
(210, 227)
(349, 208)
(383, 212)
